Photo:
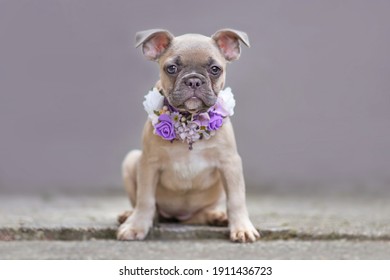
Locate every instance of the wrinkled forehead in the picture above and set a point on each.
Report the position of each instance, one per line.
(193, 49)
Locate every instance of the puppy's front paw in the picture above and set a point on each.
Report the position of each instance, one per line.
(131, 230)
(244, 233)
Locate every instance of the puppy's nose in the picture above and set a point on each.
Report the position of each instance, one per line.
(193, 83)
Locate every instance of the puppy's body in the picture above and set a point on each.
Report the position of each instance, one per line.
(192, 186)
(189, 181)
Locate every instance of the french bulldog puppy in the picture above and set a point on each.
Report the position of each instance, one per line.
(166, 178)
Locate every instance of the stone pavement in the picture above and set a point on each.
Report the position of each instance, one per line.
(196, 249)
(292, 227)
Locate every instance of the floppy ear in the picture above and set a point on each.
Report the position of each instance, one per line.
(154, 42)
(228, 41)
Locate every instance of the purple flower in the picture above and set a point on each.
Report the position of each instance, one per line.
(165, 128)
(215, 122)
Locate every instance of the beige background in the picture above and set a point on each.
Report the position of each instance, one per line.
(313, 91)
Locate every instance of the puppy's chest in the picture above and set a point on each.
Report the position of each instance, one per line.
(184, 167)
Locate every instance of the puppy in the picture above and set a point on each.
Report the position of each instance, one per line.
(189, 168)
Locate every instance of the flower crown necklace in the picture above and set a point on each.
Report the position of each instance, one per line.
(170, 124)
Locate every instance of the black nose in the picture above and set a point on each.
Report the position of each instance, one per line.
(193, 83)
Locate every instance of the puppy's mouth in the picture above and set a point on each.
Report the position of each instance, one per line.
(194, 105)
(192, 93)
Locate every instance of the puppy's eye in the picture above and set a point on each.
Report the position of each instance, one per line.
(171, 69)
(215, 70)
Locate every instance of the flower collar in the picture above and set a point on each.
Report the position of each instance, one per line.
(170, 124)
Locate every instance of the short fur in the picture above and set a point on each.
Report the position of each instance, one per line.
(193, 187)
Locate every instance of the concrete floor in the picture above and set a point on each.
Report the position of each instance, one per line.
(293, 227)
(196, 249)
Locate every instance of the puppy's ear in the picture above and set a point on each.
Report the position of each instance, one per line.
(154, 42)
(228, 42)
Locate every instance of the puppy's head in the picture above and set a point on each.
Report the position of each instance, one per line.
(192, 66)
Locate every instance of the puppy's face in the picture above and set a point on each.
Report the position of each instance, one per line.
(192, 66)
(192, 72)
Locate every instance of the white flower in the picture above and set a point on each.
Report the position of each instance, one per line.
(227, 100)
(154, 101)
(176, 117)
(153, 118)
(189, 128)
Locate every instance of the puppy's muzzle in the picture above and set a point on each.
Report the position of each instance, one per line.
(196, 85)
(194, 82)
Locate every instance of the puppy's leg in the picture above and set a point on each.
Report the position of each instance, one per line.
(241, 228)
(137, 225)
(129, 175)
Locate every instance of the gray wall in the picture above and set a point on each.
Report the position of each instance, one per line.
(313, 91)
